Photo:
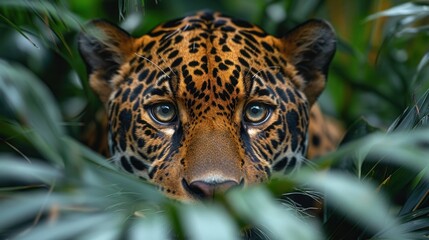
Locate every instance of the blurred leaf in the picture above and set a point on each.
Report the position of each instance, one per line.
(360, 128)
(410, 118)
(423, 63)
(420, 213)
(51, 22)
(91, 156)
(74, 227)
(17, 169)
(127, 7)
(418, 196)
(123, 187)
(48, 8)
(275, 220)
(22, 207)
(154, 227)
(415, 229)
(353, 162)
(401, 148)
(35, 106)
(360, 201)
(402, 10)
(208, 222)
(18, 29)
(409, 30)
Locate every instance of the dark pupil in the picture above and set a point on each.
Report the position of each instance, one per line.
(164, 112)
(256, 110)
(165, 109)
(256, 113)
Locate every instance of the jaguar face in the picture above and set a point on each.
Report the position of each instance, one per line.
(207, 102)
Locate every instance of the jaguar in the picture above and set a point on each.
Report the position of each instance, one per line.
(206, 103)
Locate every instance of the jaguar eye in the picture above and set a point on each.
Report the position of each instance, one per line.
(256, 113)
(163, 113)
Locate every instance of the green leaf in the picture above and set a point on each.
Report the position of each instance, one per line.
(90, 155)
(270, 217)
(403, 148)
(19, 208)
(154, 227)
(47, 8)
(73, 227)
(17, 169)
(35, 106)
(127, 7)
(416, 198)
(423, 63)
(359, 201)
(412, 116)
(122, 187)
(360, 128)
(18, 29)
(207, 222)
(405, 9)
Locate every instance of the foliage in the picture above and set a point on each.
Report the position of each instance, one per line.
(53, 187)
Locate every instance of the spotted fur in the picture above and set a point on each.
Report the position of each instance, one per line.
(215, 74)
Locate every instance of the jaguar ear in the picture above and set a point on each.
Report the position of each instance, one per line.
(310, 47)
(104, 48)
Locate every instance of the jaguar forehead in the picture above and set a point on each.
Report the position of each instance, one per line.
(192, 76)
(205, 66)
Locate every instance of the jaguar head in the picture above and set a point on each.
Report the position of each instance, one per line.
(207, 102)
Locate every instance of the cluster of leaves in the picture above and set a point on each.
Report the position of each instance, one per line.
(52, 187)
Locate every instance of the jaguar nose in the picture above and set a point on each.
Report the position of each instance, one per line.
(207, 190)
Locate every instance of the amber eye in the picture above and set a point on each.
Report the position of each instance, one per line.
(256, 113)
(164, 113)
